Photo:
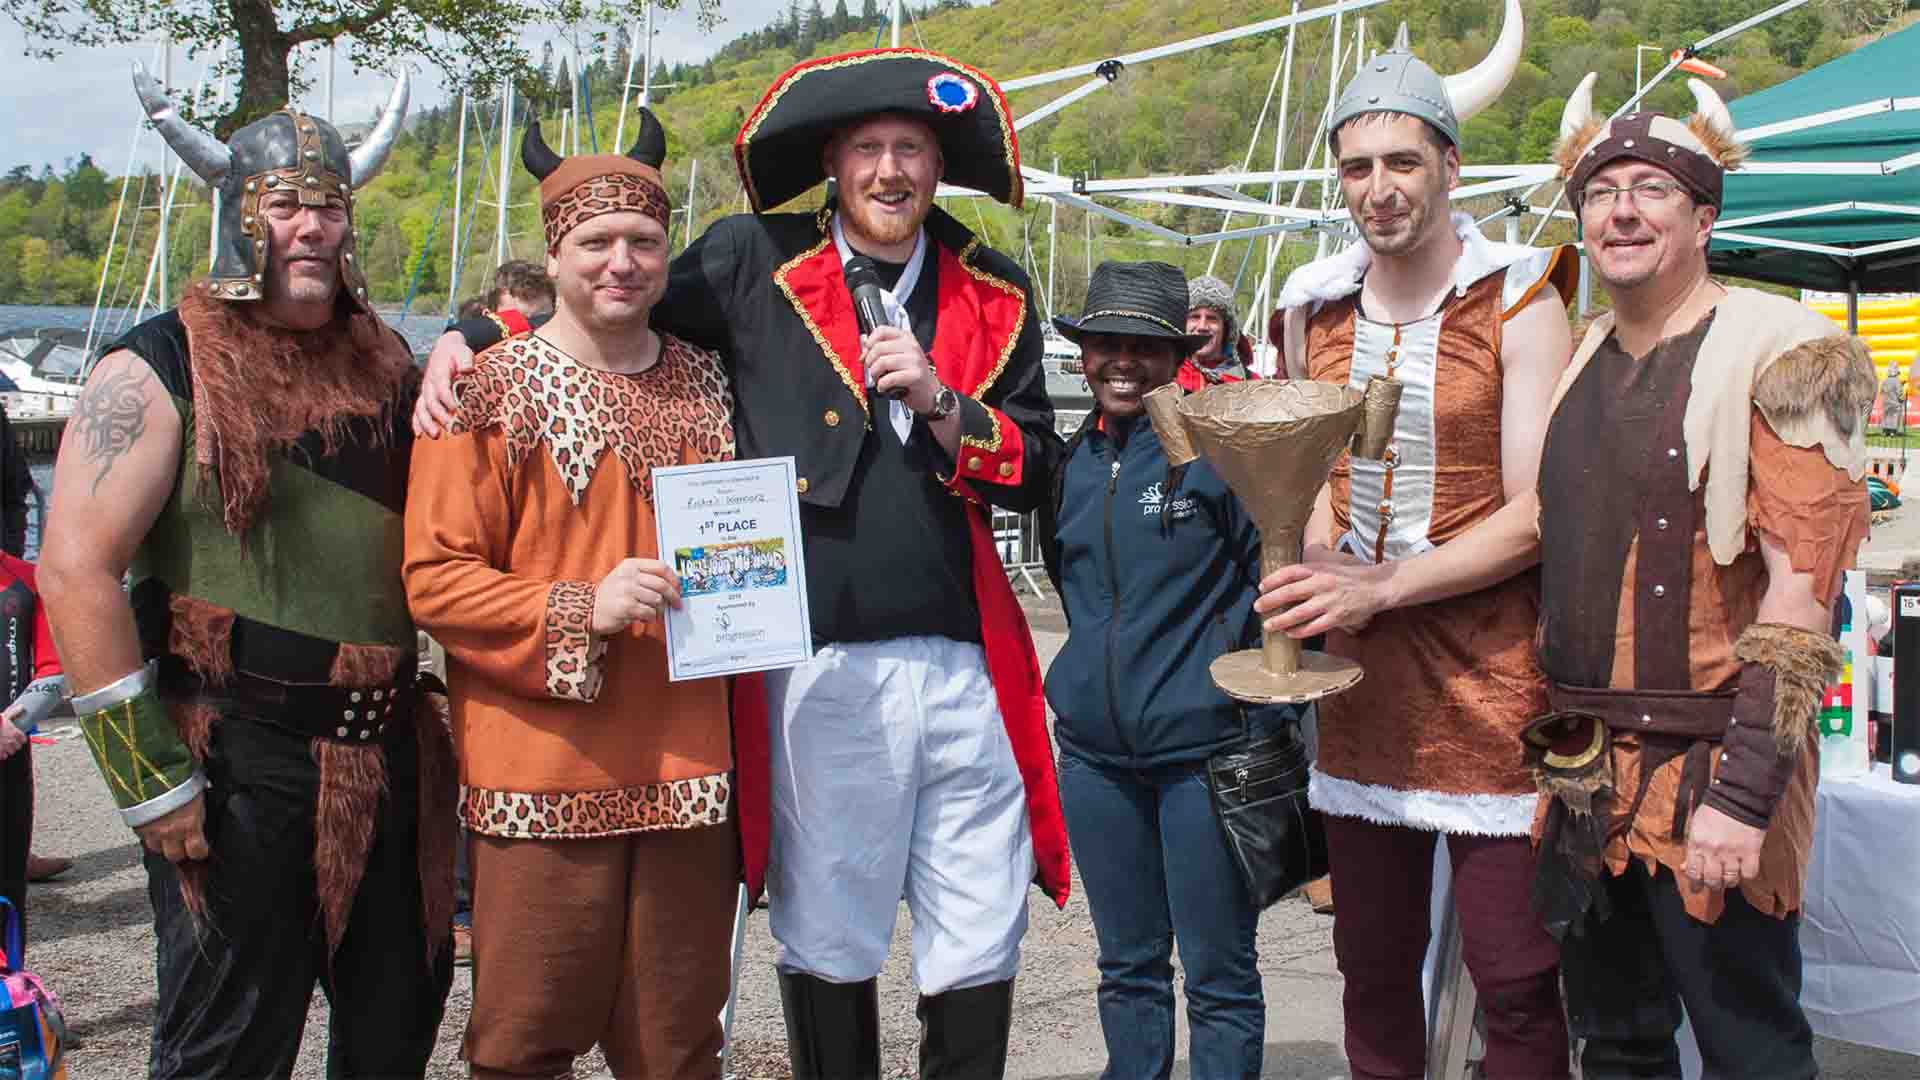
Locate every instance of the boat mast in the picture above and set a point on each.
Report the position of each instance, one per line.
(501, 187)
(459, 185)
(166, 198)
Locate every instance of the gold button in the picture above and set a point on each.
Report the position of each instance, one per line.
(802, 485)
(973, 463)
(832, 418)
(1006, 468)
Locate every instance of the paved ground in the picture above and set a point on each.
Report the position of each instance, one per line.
(91, 941)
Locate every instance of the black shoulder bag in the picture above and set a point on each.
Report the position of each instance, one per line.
(1259, 792)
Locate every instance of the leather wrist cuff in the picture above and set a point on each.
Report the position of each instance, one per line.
(1751, 772)
(1788, 670)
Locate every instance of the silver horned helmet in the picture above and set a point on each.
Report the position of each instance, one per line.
(288, 150)
(1398, 81)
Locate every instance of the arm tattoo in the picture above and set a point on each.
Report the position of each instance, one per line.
(111, 416)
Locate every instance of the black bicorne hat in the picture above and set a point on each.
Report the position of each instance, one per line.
(1145, 299)
(779, 148)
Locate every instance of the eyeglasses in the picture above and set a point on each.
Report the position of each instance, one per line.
(1601, 196)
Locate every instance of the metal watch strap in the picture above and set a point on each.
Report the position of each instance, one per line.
(946, 402)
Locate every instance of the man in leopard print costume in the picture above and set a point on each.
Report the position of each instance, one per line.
(599, 796)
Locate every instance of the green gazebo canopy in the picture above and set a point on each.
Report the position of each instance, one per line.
(1830, 198)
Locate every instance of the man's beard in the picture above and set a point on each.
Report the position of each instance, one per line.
(1409, 237)
(283, 284)
(863, 224)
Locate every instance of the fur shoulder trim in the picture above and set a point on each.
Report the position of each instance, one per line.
(1824, 381)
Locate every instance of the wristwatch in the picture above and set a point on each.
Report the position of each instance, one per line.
(945, 403)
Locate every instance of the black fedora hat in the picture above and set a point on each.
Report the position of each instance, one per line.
(779, 146)
(1145, 299)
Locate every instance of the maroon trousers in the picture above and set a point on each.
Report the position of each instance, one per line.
(1383, 888)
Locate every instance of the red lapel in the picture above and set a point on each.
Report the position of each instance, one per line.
(980, 321)
(981, 317)
(817, 289)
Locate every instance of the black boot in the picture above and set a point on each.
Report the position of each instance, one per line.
(833, 1029)
(963, 1033)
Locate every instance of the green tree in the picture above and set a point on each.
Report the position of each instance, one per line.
(36, 269)
(86, 184)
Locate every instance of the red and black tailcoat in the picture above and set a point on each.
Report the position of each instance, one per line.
(768, 293)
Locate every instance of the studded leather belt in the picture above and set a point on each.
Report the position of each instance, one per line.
(357, 715)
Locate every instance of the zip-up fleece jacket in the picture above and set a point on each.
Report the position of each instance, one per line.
(1157, 580)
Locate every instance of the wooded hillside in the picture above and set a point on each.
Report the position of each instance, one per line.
(1187, 114)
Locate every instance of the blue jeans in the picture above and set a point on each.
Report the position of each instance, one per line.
(1156, 868)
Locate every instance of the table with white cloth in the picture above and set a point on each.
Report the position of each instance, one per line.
(1860, 925)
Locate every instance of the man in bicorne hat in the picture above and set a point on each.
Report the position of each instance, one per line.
(251, 700)
(599, 796)
(910, 756)
(1416, 567)
(1687, 587)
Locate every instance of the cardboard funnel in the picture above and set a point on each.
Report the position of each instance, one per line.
(1274, 442)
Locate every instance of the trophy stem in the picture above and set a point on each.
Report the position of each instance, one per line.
(1279, 549)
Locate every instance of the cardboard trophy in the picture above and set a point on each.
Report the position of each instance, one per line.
(1273, 442)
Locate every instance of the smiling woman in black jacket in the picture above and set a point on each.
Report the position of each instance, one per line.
(1156, 567)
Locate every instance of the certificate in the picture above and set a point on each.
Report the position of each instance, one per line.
(731, 531)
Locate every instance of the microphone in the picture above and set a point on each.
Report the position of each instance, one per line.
(863, 281)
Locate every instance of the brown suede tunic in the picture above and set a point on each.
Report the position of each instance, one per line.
(1795, 496)
(1448, 686)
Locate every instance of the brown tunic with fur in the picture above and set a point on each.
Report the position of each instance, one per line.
(1797, 498)
(1450, 685)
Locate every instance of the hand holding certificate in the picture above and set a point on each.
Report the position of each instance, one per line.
(731, 532)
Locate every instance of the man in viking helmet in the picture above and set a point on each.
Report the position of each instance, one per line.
(602, 800)
(250, 700)
(1415, 567)
(910, 757)
(1688, 574)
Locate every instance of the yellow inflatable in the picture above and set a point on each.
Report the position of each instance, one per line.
(1891, 329)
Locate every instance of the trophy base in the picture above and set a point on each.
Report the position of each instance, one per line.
(1243, 675)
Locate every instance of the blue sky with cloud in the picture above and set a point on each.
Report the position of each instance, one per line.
(83, 101)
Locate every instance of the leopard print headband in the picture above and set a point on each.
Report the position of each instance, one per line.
(607, 194)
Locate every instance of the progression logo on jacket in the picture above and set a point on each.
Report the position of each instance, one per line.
(1153, 503)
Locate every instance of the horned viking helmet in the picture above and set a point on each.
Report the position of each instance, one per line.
(1698, 151)
(288, 150)
(1398, 81)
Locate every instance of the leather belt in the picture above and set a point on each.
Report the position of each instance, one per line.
(1691, 714)
(358, 715)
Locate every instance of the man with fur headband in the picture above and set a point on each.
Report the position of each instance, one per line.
(251, 701)
(1419, 568)
(600, 798)
(1687, 582)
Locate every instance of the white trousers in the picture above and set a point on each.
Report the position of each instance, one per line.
(892, 776)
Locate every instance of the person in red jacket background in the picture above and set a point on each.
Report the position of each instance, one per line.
(1227, 355)
(34, 686)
